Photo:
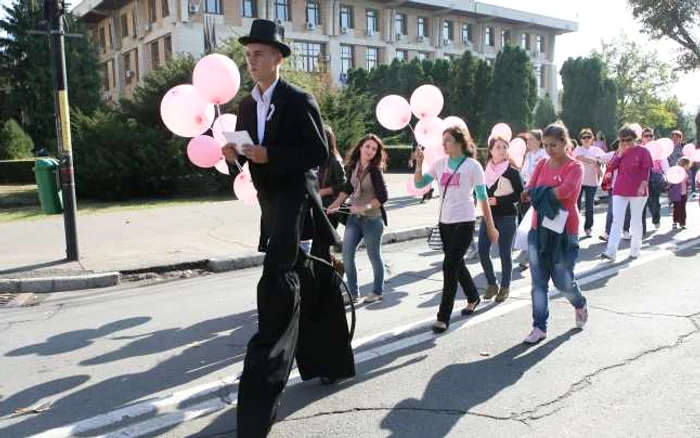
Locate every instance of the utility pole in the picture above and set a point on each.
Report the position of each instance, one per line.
(54, 11)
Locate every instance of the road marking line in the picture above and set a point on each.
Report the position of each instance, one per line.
(587, 276)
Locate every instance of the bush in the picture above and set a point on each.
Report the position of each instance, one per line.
(14, 142)
(17, 172)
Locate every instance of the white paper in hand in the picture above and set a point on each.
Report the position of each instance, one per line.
(558, 223)
(239, 138)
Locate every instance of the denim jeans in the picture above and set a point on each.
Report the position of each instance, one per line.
(562, 275)
(654, 206)
(371, 229)
(456, 238)
(588, 194)
(506, 226)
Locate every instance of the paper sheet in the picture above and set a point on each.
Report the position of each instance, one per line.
(239, 138)
(558, 223)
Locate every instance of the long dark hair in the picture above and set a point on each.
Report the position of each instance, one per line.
(332, 142)
(464, 139)
(380, 158)
(559, 131)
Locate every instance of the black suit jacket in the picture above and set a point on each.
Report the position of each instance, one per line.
(296, 146)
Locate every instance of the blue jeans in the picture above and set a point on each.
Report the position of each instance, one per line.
(588, 194)
(371, 229)
(562, 275)
(506, 226)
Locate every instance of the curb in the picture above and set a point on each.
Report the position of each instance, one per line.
(107, 279)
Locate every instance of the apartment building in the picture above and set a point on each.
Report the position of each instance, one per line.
(327, 36)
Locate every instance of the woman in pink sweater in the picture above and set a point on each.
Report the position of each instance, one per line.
(633, 164)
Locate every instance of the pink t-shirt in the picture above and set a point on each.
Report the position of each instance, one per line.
(568, 180)
(632, 170)
(590, 170)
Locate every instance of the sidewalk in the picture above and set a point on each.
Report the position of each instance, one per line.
(216, 236)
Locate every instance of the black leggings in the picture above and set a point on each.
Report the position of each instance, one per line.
(456, 238)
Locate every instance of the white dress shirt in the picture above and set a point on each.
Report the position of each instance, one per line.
(263, 108)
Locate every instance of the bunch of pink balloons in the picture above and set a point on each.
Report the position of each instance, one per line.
(517, 150)
(501, 130)
(676, 175)
(188, 110)
(691, 152)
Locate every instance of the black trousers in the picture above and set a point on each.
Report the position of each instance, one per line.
(294, 305)
(456, 238)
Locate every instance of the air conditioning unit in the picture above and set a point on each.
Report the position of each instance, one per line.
(370, 32)
(129, 74)
(194, 9)
(310, 25)
(399, 37)
(343, 30)
(421, 38)
(446, 42)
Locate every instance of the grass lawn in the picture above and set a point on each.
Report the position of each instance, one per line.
(21, 202)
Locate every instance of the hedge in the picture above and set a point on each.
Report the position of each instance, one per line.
(17, 171)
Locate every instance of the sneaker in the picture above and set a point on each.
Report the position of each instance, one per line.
(674, 226)
(607, 256)
(523, 265)
(626, 235)
(472, 252)
(346, 300)
(603, 237)
(683, 227)
(491, 291)
(439, 327)
(588, 232)
(634, 256)
(535, 336)
(657, 226)
(372, 298)
(502, 295)
(581, 316)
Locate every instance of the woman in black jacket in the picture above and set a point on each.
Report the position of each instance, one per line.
(504, 186)
(331, 176)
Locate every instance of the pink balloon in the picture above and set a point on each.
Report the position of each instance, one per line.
(696, 157)
(689, 150)
(204, 151)
(243, 187)
(429, 131)
(637, 128)
(217, 78)
(427, 101)
(676, 175)
(517, 150)
(502, 130)
(666, 147)
(393, 112)
(185, 112)
(655, 149)
(455, 121)
(433, 153)
(415, 191)
(225, 122)
(222, 166)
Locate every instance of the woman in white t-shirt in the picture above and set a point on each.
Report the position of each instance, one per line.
(588, 155)
(459, 176)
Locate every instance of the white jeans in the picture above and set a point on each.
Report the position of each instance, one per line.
(619, 208)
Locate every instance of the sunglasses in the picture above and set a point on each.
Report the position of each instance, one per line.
(648, 135)
(675, 135)
(626, 140)
(586, 137)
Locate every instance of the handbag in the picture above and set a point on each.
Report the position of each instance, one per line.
(434, 237)
(657, 182)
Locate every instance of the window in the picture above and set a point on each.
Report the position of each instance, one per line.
(110, 34)
(168, 47)
(423, 27)
(525, 41)
(152, 11)
(400, 24)
(309, 56)
(346, 17)
(448, 30)
(213, 7)
(541, 80)
(282, 10)
(155, 55)
(249, 8)
(372, 21)
(103, 40)
(128, 73)
(346, 59)
(372, 57)
(134, 28)
(466, 33)
(422, 56)
(313, 12)
(125, 25)
(538, 76)
(540, 43)
(104, 76)
(164, 8)
(488, 37)
(402, 55)
(505, 38)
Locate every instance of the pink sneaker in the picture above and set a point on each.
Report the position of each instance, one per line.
(535, 336)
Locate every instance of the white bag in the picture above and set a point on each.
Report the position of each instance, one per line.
(521, 233)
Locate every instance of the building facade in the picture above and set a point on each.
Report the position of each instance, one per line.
(331, 36)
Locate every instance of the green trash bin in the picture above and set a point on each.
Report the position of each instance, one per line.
(46, 173)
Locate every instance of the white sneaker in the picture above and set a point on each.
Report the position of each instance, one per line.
(581, 316)
(626, 235)
(535, 336)
(607, 256)
(372, 298)
(657, 226)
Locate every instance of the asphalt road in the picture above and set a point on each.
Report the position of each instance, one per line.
(163, 359)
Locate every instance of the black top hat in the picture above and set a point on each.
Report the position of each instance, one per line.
(266, 32)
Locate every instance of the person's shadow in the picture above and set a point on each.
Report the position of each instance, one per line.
(458, 388)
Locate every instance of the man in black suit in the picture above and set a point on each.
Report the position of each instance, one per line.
(285, 124)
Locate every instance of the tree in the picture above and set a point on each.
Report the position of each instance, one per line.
(25, 62)
(14, 142)
(544, 112)
(677, 20)
(641, 79)
(482, 86)
(697, 127)
(513, 95)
